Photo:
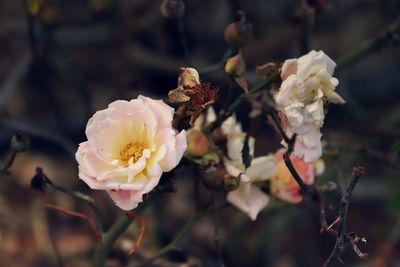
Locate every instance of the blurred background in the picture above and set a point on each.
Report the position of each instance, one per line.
(60, 61)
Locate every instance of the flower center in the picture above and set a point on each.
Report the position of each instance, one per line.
(132, 150)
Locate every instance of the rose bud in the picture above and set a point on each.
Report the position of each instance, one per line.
(235, 65)
(197, 143)
(239, 33)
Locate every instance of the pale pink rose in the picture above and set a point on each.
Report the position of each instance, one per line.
(307, 83)
(283, 185)
(130, 144)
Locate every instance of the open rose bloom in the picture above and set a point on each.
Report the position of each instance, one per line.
(130, 144)
(307, 84)
(283, 185)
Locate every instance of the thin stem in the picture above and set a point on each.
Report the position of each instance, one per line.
(387, 36)
(30, 19)
(104, 248)
(214, 67)
(183, 39)
(78, 195)
(217, 234)
(9, 161)
(175, 242)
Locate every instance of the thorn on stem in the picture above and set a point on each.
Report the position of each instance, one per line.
(142, 227)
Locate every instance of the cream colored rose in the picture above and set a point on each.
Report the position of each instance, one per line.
(130, 144)
(307, 84)
(248, 197)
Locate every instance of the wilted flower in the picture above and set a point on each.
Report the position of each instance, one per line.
(130, 144)
(193, 95)
(307, 85)
(248, 197)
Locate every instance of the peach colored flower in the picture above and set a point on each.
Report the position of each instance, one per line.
(130, 144)
(283, 185)
(307, 84)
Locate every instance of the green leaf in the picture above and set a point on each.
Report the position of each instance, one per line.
(246, 157)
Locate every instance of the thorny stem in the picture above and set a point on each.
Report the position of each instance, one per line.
(312, 190)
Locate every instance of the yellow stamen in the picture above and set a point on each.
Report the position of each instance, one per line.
(132, 150)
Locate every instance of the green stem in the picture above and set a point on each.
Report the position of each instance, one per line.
(174, 245)
(104, 248)
(386, 37)
(9, 161)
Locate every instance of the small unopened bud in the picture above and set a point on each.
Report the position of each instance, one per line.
(20, 142)
(172, 8)
(231, 183)
(235, 65)
(197, 143)
(239, 33)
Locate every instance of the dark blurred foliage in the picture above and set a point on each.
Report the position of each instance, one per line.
(60, 64)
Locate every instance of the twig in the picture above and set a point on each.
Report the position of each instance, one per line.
(78, 195)
(31, 130)
(387, 36)
(75, 214)
(10, 84)
(312, 190)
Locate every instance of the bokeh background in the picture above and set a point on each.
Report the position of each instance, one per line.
(74, 57)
